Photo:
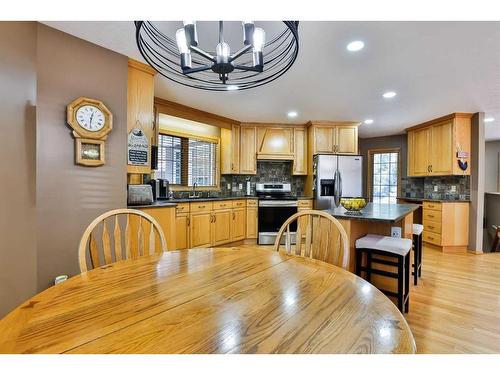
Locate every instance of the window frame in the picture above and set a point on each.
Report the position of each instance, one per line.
(371, 153)
(186, 187)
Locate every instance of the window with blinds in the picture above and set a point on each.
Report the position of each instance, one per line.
(186, 161)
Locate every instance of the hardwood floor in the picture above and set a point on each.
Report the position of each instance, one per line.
(455, 308)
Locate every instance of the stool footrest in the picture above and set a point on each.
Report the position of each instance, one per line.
(394, 275)
(383, 261)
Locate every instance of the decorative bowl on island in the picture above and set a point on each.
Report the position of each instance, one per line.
(353, 205)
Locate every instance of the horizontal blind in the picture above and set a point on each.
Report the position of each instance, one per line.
(202, 168)
(170, 159)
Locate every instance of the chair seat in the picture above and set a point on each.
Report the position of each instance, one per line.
(400, 246)
(418, 229)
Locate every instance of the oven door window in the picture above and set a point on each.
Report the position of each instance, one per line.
(272, 218)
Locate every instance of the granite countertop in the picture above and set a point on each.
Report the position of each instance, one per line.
(390, 213)
(173, 202)
(416, 199)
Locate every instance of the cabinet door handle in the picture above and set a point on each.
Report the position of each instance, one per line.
(233, 215)
(430, 215)
(431, 167)
(189, 221)
(215, 218)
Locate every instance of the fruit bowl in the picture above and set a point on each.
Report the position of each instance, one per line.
(353, 205)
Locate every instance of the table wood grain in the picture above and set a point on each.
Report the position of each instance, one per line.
(227, 300)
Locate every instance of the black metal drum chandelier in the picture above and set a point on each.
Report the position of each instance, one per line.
(254, 64)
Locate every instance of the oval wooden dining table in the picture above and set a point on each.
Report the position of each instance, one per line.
(224, 300)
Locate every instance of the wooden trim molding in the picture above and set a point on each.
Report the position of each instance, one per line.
(369, 178)
(189, 113)
(141, 66)
(440, 119)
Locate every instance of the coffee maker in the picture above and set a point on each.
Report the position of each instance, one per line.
(161, 189)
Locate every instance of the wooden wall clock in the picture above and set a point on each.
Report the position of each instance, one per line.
(91, 121)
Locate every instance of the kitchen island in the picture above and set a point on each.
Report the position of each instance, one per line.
(375, 218)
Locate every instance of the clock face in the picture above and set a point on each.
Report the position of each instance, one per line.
(90, 118)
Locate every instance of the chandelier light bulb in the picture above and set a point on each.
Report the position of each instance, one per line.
(248, 30)
(223, 49)
(185, 23)
(259, 39)
(180, 38)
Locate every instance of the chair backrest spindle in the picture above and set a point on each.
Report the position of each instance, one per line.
(135, 245)
(325, 239)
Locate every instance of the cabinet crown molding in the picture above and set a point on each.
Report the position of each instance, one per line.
(451, 116)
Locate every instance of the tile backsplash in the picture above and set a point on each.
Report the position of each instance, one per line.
(267, 171)
(439, 187)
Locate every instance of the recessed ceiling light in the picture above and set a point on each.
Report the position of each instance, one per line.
(232, 88)
(489, 119)
(368, 121)
(389, 94)
(357, 45)
(292, 114)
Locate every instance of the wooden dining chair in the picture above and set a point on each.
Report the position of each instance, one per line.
(318, 236)
(142, 235)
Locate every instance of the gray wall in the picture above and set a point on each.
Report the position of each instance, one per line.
(492, 150)
(17, 163)
(392, 141)
(69, 197)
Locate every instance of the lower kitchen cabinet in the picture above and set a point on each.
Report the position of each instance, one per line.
(221, 227)
(182, 231)
(252, 222)
(200, 229)
(166, 219)
(238, 229)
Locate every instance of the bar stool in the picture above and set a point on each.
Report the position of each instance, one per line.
(396, 248)
(417, 252)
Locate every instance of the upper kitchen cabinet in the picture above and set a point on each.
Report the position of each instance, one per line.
(440, 147)
(230, 150)
(248, 150)
(275, 142)
(140, 113)
(332, 137)
(300, 151)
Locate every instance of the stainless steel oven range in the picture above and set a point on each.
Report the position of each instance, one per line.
(276, 204)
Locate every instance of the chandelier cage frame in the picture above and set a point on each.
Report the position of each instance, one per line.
(162, 53)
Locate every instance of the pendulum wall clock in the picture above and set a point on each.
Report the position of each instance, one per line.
(91, 121)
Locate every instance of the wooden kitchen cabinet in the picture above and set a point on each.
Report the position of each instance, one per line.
(446, 225)
(275, 142)
(252, 218)
(324, 139)
(331, 137)
(182, 231)
(140, 112)
(346, 139)
(442, 148)
(248, 150)
(230, 150)
(420, 151)
(238, 229)
(221, 226)
(433, 146)
(200, 229)
(166, 218)
(299, 166)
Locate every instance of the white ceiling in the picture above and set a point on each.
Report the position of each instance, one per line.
(435, 67)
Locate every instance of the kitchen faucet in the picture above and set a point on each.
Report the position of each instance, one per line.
(193, 194)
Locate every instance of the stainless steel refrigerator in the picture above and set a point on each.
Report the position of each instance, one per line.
(336, 176)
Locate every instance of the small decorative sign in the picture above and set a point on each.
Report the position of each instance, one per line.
(462, 154)
(138, 147)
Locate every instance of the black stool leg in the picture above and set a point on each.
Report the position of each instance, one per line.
(407, 282)
(400, 282)
(420, 256)
(369, 267)
(415, 259)
(359, 257)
